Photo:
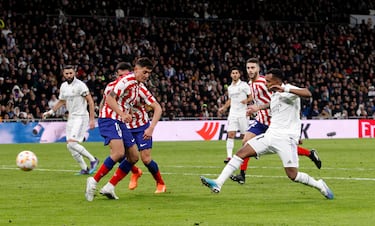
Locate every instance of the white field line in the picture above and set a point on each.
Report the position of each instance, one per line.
(4, 167)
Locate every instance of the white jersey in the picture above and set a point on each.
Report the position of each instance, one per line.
(75, 96)
(285, 111)
(238, 92)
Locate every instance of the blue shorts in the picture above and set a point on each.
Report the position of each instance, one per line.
(138, 135)
(257, 128)
(113, 129)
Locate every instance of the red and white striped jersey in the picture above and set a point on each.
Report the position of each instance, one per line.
(126, 89)
(261, 96)
(139, 112)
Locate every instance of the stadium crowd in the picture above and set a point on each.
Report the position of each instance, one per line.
(193, 45)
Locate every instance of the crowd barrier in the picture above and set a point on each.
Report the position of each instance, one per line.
(48, 132)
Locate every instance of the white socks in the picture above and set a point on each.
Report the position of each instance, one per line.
(81, 150)
(78, 151)
(304, 178)
(233, 165)
(230, 146)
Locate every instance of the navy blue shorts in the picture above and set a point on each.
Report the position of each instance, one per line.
(257, 128)
(113, 129)
(138, 135)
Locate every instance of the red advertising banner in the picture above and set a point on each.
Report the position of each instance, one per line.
(366, 128)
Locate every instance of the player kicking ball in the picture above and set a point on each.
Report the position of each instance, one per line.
(281, 137)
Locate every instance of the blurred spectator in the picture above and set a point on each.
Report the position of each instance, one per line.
(193, 45)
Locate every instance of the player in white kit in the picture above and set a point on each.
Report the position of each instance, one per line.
(75, 95)
(238, 98)
(281, 137)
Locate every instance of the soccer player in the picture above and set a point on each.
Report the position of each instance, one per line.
(113, 116)
(238, 98)
(75, 95)
(142, 130)
(261, 96)
(281, 137)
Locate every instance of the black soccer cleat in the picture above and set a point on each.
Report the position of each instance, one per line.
(238, 178)
(315, 158)
(227, 160)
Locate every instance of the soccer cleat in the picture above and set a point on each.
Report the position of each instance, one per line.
(227, 160)
(326, 191)
(160, 188)
(83, 172)
(315, 158)
(90, 188)
(133, 183)
(109, 191)
(211, 184)
(94, 165)
(238, 178)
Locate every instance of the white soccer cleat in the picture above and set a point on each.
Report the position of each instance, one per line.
(326, 191)
(90, 188)
(109, 191)
(211, 184)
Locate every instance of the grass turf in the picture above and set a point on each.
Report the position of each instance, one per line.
(52, 195)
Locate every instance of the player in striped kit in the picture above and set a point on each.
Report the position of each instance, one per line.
(113, 116)
(142, 129)
(262, 96)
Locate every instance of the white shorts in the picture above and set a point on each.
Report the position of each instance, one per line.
(236, 123)
(283, 145)
(76, 127)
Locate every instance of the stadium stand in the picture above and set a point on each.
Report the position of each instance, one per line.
(194, 45)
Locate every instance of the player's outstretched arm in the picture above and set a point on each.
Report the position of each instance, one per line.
(54, 109)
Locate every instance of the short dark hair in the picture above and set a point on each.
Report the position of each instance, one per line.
(145, 62)
(68, 66)
(123, 66)
(253, 60)
(276, 72)
(235, 68)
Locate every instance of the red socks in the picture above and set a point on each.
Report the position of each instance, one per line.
(303, 151)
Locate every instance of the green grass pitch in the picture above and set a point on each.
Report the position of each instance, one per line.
(52, 195)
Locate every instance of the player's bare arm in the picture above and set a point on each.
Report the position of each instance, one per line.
(57, 106)
(155, 119)
(90, 102)
(302, 92)
(112, 103)
(225, 106)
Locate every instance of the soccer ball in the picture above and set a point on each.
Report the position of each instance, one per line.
(26, 160)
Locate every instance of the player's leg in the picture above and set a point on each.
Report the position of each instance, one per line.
(287, 151)
(233, 127)
(255, 128)
(248, 150)
(241, 178)
(230, 145)
(153, 168)
(312, 154)
(120, 173)
(117, 151)
(74, 135)
(132, 156)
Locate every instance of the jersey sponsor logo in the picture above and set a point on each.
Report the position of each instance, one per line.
(208, 131)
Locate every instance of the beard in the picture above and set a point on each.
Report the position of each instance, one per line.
(69, 80)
